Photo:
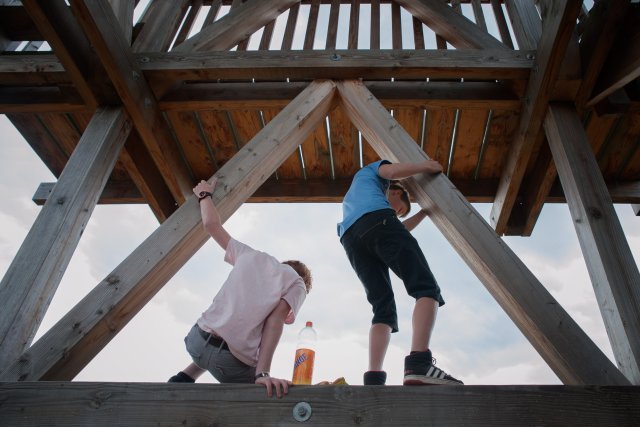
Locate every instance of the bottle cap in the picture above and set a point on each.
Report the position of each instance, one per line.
(309, 323)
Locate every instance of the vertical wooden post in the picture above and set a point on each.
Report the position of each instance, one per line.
(35, 273)
(568, 351)
(613, 271)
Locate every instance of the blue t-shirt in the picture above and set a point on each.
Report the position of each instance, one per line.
(366, 194)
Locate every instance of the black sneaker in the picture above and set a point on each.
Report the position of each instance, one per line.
(181, 377)
(375, 378)
(420, 369)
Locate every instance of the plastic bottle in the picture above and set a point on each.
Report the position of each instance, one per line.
(305, 355)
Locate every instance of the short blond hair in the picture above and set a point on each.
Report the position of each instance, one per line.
(303, 271)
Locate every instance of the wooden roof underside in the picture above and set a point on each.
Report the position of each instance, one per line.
(472, 101)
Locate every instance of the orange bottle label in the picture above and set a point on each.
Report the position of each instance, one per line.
(303, 366)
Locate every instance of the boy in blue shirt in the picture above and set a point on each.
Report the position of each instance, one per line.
(376, 241)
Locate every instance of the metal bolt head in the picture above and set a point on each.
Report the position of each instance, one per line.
(302, 412)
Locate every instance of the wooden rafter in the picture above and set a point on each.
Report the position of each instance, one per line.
(35, 273)
(92, 323)
(103, 31)
(557, 31)
(551, 331)
(609, 260)
(454, 27)
(237, 25)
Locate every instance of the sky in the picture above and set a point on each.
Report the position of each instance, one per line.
(473, 340)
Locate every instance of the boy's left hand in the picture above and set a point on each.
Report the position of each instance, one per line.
(281, 386)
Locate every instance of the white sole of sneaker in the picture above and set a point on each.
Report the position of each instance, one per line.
(422, 380)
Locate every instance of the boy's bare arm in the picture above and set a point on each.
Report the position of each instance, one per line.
(413, 221)
(405, 170)
(210, 215)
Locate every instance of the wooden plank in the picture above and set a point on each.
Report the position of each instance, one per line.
(454, 27)
(191, 143)
(326, 190)
(354, 25)
(501, 130)
(418, 34)
(344, 144)
(471, 126)
(40, 141)
(216, 126)
(228, 31)
(312, 23)
(385, 64)
(396, 27)
(603, 22)
(622, 66)
(37, 99)
(89, 403)
(246, 124)
(123, 10)
(332, 31)
(478, 14)
(187, 24)
(289, 31)
(100, 26)
(397, 94)
(244, 43)
(36, 271)
(550, 330)
(501, 22)
(92, 323)
(526, 23)
(141, 169)
(315, 151)
(62, 32)
(160, 25)
(439, 131)
(411, 121)
(267, 35)
(558, 30)
(609, 260)
(374, 42)
(291, 167)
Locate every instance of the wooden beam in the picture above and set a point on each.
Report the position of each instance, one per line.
(613, 271)
(38, 99)
(636, 209)
(70, 344)
(103, 30)
(558, 24)
(62, 32)
(237, 25)
(35, 273)
(160, 25)
(340, 64)
(551, 331)
(621, 68)
(264, 95)
(454, 27)
(152, 404)
(603, 22)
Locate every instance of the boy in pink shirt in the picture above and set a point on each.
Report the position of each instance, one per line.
(235, 338)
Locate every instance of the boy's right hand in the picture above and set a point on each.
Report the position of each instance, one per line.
(432, 166)
(281, 386)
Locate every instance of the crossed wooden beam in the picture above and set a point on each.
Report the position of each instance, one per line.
(70, 344)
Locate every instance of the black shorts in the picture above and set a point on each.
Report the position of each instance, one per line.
(378, 242)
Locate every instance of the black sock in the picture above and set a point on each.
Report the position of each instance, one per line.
(375, 378)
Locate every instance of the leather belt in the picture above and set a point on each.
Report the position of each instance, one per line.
(213, 340)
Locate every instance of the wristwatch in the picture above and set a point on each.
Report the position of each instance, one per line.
(262, 374)
(203, 195)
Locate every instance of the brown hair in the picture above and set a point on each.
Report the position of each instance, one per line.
(302, 271)
(395, 185)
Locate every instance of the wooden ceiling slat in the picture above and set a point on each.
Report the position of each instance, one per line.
(291, 168)
(439, 130)
(343, 144)
(501, 129)
(471, 125)
(188, 135)
(315, 151)
(215, 125)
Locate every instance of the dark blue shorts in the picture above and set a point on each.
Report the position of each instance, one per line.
(378, 242)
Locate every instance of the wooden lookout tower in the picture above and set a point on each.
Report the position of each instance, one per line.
(524, 103)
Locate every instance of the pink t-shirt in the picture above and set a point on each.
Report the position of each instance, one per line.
(253, 289)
